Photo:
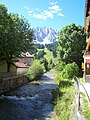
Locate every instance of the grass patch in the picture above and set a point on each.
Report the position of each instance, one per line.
(82, 80)
(63, 98)
(85, 110)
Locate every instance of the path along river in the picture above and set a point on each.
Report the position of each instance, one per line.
(32, 101)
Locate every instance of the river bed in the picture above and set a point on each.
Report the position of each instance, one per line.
(32, 101)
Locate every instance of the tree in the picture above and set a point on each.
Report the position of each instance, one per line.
(71, 44)
(41, 54)
(70, 70)
(36, 70)
(52, 47)
(16, 36)
(44, 62)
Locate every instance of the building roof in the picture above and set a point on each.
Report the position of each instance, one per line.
(26, 55)
(21, 65)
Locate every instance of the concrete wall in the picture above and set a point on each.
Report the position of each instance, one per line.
(15, 70)
(22, 70)
(11, 83)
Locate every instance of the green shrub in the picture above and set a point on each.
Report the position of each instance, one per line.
(58, 77)
(60, 66)
(36, 70)
(70, 70)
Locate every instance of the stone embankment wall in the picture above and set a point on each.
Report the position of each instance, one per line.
(12, 82)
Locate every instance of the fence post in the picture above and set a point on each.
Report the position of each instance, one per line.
(78, 85)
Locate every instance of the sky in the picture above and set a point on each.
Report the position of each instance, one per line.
(48, 13)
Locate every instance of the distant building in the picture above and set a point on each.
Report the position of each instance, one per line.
(24, 62)
(20, 67)
(26, 58)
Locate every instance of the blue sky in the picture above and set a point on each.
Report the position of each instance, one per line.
(49, 13)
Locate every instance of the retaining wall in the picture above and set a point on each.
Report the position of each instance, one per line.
(12, 82)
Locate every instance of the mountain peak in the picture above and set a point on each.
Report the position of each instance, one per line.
(45, 35)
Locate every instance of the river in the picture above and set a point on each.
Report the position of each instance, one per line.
(31, 101)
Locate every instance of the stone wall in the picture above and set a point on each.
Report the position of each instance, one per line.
(12, 82)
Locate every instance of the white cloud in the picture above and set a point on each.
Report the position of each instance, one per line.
(60, 14)
(33, 10)
(43, 15)
(26, 7)
(50, 12)
(55, 8)
(30, 11)
(39, 16)
(53, 3)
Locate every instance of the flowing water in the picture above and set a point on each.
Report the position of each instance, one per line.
(32, 101)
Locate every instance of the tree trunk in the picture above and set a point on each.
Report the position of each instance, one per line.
(8, 67)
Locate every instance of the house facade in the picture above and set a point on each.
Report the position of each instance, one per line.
(25, 61)
(20, 67)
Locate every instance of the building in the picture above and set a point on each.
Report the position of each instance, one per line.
(20, 67)
(25, 61)
(86, 71)
(86, 55)
(26, 58)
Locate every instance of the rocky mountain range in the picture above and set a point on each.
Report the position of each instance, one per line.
(45, 35)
